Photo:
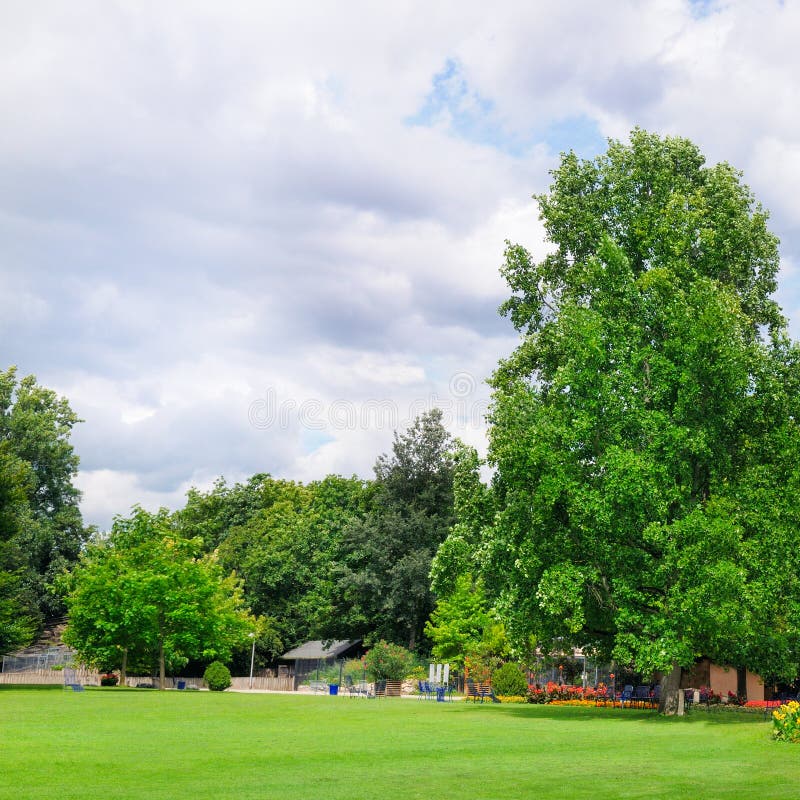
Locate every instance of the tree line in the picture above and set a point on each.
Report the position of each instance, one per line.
(643, 446)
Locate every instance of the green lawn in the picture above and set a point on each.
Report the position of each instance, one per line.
(110, 743)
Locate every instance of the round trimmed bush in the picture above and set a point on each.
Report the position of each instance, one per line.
(509, 681)
(217, 676)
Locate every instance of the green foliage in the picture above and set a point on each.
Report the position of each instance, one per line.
(281, 538)
(474, 506)
(786, 722)
(644, 432)
(19, 615)
(464, 623)
(338, 558)
(480, 664)
(354, 669)
(41, 530)
(382, 568)
(217, 676)
(509, 680)
(148, 594)
(386, 661)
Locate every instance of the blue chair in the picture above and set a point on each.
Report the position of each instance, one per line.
(626, 696)
(641, 696)
(425, 690)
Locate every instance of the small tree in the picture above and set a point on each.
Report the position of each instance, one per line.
(389, 662)
(148, 593)
(465, 623)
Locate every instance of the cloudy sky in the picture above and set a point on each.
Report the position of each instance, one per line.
(258, 236)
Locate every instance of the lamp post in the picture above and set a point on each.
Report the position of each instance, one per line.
(252, 657)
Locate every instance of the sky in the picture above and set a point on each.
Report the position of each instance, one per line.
(251, 237)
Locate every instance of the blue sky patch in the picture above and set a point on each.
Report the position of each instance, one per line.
(312, 440)
(703, 8)
(579, 133)
(469, 115)
(472, 117)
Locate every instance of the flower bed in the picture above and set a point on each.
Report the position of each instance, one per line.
(563, 694)
(574, 702)
(762, 704)
(786, 722)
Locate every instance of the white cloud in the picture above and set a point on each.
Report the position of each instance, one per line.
(203, 203)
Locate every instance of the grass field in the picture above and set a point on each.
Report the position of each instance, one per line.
(110, 743)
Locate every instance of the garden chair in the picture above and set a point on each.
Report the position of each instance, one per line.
(360, 689)
(626, 696)
(641, 696)
(655, 698)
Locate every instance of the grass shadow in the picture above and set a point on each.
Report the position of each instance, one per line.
(31, 687)
(590, 713)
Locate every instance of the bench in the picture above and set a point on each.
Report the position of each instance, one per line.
(318, 687)
(478, 691)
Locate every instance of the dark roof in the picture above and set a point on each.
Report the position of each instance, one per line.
(319, 649)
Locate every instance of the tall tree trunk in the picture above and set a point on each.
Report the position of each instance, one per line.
(161, 670)
(123, 672)
(671, 702)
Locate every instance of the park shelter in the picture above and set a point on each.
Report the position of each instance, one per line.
(312, 657)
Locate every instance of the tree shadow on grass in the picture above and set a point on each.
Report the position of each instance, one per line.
(33, 687)
(590, 714)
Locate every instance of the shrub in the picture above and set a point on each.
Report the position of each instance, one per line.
(786, 722)
(509, 681)
(353, 669)
(389, 662)
(109, 679)
(479, 666)
(217, 676)
(329, 673)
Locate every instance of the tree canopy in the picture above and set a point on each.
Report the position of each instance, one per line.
(41, 529)
(644, 433)
(148, 596)
(382, 570)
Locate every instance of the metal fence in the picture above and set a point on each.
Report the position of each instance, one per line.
(41, 677)
(38, 660)
(572, 670)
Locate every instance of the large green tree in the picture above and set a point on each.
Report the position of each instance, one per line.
(149, 594)
(35, 425)
(644, 433)
(19, 613)
(382, 570)
(281, 537)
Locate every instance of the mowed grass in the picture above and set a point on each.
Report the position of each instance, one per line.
(111, 743)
